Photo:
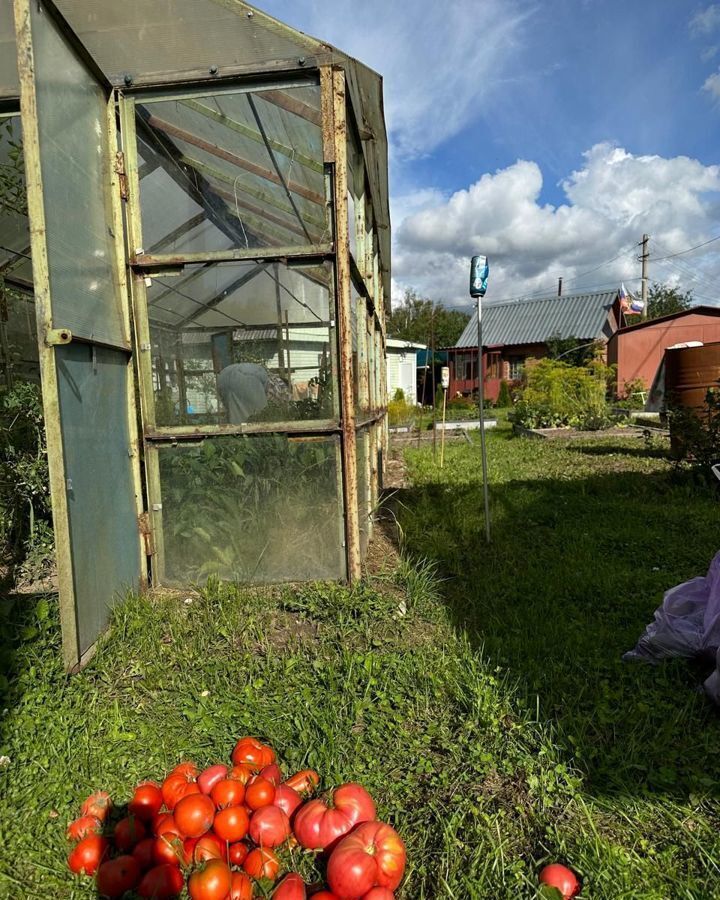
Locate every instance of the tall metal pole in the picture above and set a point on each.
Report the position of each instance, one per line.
(644, 259)
(481, 406)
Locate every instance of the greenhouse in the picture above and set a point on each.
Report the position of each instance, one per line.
(195, 259)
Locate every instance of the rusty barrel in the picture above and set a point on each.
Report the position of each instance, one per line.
(689, 373)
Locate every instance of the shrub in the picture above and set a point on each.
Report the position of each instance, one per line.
(696, 433)
(504, 399)
(555, 394)
(631, 395)
(401, 413)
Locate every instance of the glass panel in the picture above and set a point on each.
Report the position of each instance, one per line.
(252, 508)
(232, 169)
(9, 82)
(18, 337)
(243, 342)
(362, 444)
(92, 386)
(14, 227)
(74, 158)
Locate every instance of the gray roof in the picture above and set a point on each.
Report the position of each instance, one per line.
(534, 321)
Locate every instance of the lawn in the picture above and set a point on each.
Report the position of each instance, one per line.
(477, 691)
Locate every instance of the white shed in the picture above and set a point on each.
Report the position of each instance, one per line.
(402, 367)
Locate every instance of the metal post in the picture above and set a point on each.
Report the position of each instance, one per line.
(481, 406)
(442, 436)
(644, 277)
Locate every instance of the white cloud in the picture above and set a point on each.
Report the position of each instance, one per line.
(712, 85)
(438, 72)
(611, 201)
(706, 21)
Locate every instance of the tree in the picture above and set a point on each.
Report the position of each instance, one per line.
(418, 318)
(663, 301)
(572, 350)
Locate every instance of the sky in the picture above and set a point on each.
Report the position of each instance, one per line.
(547, 134)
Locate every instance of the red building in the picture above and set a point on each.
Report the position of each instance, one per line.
(519, 330)
(637, 350)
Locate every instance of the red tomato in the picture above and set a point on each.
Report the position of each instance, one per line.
(292, 887)
(287, 799)
(210, 777)
(128, 832)
(303, 782)
(378, 893)
(143, 853)
(82, 827)
(262, 863)
(162, 822)
(188, 769)
(228, 792)
(211, 882)
(117, 876)
(272, 774)
(252, 752)
(209, 846)
(178, 785)
(161, 883)
(269, 827)
(325, 895)
(168, 849)
(318, 827)
(146, 801)
(98, 804)
(88, 854)
(194, 815)
(259, 792)
(231, 824)
(562, 878)
(241, 887)
(241, 773)
(372, 856)
(237, 853)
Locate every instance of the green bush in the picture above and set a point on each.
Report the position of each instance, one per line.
(504, 399)
(555, 394)
(696, 433)
(400, 412)
(631, 395)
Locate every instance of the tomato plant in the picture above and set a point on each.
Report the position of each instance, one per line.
(269, 827)
(228, 792)
(194, 815)
(303, 782)
(262, 863)
(163, 882)
(372, 856)
(252, 752)
(231, 824)
(128, 832)
(209, 778)
(146, 801)
(561, 878)
(320, 823)
(98, 804)
(292, 887)
(210, 882)
(259, 792)
(117, 876)
(82, 827)
(88, 854)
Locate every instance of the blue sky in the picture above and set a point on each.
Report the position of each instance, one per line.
(549, 135)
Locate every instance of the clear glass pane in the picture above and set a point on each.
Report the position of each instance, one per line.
(234, 343)
(75, 164)
(257, 508)
(363, 480)
(9, 82)
(232, 169)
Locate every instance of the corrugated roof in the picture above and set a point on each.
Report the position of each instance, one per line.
(534, 321)
(702, 310)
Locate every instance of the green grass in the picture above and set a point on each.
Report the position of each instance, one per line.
(493, 721)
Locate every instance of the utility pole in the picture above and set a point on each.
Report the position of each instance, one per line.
(559, 287)
(644, 273)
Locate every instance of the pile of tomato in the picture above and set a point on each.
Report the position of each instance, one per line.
(224, 833)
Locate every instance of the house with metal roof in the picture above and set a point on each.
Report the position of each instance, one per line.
(519, 330)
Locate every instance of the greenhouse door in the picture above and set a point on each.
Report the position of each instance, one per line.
(68, 115)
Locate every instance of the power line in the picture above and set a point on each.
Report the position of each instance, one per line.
(687, 250)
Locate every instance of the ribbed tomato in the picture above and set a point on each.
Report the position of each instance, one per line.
(272, 774)
(228, 792)
(161, 883)
(86, 856)
(98, 804)
(117, 876)
(262, 863)
(320, 823)
(242, 773)
(287, 799)
(209, 846)
(179, 783)
(82, 827)
(372, 856)
(241, 888)
(259, 792)
(128, 832)
(194, 815)
(252, 752)
(210, 882)
(146, 801)
(231, 824)
(292, 887)
(209, 778)
(303, 782)
(237, 853)
(561, 878)
(269, 827)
